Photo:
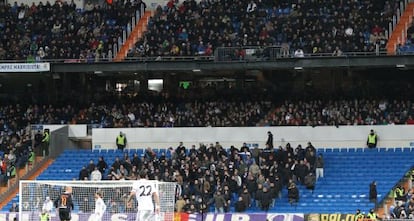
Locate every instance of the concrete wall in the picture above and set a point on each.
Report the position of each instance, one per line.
(327, 136)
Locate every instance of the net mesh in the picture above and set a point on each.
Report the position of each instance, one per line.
(34, 195)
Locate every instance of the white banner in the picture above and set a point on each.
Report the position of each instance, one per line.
(24, 67)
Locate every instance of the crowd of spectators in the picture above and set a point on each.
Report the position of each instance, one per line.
(403, 206)
(15, 153)
(193, 28)
(249, 113)
(211, 177)
(60, 30)
(408, 47)
(342, 112)
(160, 111)
(164, 111)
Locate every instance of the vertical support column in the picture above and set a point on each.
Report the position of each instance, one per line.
(241, 79)
(143, 86)
(171, 83)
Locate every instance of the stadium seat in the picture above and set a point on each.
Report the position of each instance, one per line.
(343, 189)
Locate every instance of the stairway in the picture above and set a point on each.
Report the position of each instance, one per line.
(8, 194)
(399, 35)
(135, 35)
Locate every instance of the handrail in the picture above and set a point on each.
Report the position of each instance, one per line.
(197, 58)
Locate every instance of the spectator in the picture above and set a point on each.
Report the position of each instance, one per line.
(91, 167)
(179, 205)
(219, 202)
(372, 140)
(102, 165)
(299, 53)
(269, 142)
(373, 193)
(319, 166)
(251, 7)
(259, 196)
(96, 175)
(399, 211)
(116, 164)
(181, 151)
(337, 52)
(240, 205)
(14, 208)
(84, 174)
(246, 197)
(266, 199)
(293, 194)
(310, 181)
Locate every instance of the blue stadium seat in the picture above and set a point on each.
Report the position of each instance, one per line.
(343, 189)
(359, 150)
(382, 149)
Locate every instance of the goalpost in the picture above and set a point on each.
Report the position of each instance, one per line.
(33, 194)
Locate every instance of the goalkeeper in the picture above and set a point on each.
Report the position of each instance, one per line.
(100, 208)
(64, 204)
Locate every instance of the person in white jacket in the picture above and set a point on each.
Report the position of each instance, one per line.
(96, 175)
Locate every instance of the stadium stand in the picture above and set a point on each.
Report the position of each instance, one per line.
(61, 31)
(343, 189)
(45, 31)
(337, 28)
(181, 113)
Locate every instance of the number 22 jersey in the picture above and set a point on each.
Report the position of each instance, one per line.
(144, 189)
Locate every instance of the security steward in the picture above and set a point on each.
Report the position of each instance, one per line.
(359, 216)
(372, 216)
(121, 141)
(45, 142)
(372, 139)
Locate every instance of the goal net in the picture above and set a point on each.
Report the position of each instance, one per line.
(36, 196)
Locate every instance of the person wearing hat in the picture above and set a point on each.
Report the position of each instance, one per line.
(372, 139)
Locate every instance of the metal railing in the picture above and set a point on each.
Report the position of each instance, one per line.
(395, 20)
(228, 54)
(125, 34)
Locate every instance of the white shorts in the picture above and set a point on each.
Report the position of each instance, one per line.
(95, 217)
(145, 215)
